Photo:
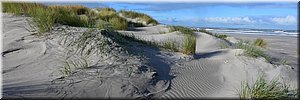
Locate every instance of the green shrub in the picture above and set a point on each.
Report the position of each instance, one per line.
(262, 89)
(181, 29)
(189, 44)
(131, 14)
(260, 42)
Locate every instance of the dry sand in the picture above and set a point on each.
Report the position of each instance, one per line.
(30, 67)
(278, 46)
(216, 72)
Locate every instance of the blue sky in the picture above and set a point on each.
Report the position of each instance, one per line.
(278, 15)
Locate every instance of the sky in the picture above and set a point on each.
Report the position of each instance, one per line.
(260, 15)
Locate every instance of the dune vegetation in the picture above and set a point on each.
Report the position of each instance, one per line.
(170, 45)
(73, 15)
(221, 36)
(263, 89)
(260, 42)
(251, 50)
(189, 44)
(110, 15)
(146, 18)
(181, 29)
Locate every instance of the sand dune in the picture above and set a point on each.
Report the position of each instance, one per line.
(217, 72)
(30, 66)
(26, 64)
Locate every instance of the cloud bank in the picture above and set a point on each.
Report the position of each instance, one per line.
(288, 20)
(230, 20)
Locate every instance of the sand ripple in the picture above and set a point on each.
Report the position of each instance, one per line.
(201, 78)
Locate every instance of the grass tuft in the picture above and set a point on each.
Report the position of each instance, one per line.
(43, 18)
(252, 51)
(110, 15)
(131, 14)
(221, 36)
(260, 42)
(77, 9)
(204, 31)
(262, 89)
(189, 44)
(170, 45)
(181, 29)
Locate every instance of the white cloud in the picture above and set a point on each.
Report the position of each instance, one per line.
(288, 20)
(232, 20)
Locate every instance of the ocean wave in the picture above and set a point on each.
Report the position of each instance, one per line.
(253, 31)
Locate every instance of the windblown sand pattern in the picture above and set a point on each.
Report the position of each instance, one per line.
(202, 80)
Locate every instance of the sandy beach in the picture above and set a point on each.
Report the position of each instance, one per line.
(80, 62)
(278, 46)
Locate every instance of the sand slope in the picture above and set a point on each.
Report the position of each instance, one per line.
(32, 65)
(27, 66)
(216, 72)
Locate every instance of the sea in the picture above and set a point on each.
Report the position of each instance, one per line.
(252, 31)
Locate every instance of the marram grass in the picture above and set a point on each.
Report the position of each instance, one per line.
(189, 44)
(263, 89)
